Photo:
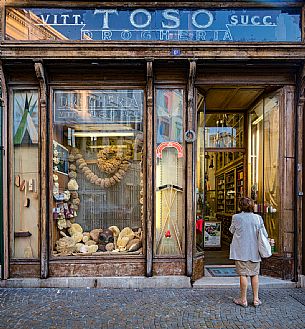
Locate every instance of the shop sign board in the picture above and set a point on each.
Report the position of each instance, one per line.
(98, 106)
(167, 25)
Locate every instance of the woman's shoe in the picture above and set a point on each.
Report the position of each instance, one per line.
(238, 301)
(257, 303)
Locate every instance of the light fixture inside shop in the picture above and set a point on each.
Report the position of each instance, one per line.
(103, 134)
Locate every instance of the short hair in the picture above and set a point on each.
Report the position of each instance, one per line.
(246, 204)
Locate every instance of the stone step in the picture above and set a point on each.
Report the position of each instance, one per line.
(233, 282)
(100, 282)
(139, 282)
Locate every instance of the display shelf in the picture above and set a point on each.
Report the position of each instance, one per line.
(239, 184)
(228, 158)
(226, 220)
(220, 193)
(219, 160)
(225, 161)
(230, 192)
(230, 188)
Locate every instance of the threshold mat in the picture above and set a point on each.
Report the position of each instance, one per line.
(221, 271)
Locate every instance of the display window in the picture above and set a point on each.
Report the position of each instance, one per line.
(97, 164)
(25, 173)
(170, 173)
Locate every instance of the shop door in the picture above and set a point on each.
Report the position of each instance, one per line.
(239, 154)
(220, 180)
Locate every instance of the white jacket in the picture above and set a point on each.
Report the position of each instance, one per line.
(244, 228)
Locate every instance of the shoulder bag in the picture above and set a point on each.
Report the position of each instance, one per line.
(264, 247)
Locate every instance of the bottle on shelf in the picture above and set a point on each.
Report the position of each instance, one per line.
(272, 244)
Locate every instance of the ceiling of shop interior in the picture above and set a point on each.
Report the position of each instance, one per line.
(228, 98)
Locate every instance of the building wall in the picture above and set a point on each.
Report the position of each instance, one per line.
(125, 64)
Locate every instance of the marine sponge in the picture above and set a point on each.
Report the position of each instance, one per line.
(75, 228)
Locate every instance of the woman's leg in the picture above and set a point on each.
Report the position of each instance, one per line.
(255, 285)
(243, 288)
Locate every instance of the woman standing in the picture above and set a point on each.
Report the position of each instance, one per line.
(244, 249)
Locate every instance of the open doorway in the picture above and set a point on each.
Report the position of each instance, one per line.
(237, 150)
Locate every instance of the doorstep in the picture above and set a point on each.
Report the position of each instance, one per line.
(140, 282)
(233, 282)
(100, 282)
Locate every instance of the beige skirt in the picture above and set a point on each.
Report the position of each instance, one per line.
(247, 268)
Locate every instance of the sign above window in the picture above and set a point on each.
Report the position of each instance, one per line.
(167, 25)
(98, 106)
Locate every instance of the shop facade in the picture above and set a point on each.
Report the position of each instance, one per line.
(131, 132)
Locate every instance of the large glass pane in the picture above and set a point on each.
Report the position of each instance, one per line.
(224, 130)
(272, 173)
(97, 172)
(170, 226)
(200, 183)
(26, 174)
(255, 158)
(219, 184)
(264, 170)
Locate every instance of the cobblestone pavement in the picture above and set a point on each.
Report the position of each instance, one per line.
(148, 308)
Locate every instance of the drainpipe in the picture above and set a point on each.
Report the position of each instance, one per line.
(1, 191)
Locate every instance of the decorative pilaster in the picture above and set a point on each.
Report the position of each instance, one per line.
(149, 192)
(4, 173)
(44, 190)
(190, 156)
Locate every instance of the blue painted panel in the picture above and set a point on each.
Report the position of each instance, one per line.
(167, 25)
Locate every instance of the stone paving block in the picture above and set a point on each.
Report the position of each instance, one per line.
(148, 308)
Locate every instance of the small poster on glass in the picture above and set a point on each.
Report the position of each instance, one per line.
(212, 234)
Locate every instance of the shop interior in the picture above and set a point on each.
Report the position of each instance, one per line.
(237, 153)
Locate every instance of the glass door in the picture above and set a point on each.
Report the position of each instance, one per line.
(264, 161)
(238, 154)
(220, 176)
(220, 167)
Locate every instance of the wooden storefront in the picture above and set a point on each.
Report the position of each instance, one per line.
(43, 69)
